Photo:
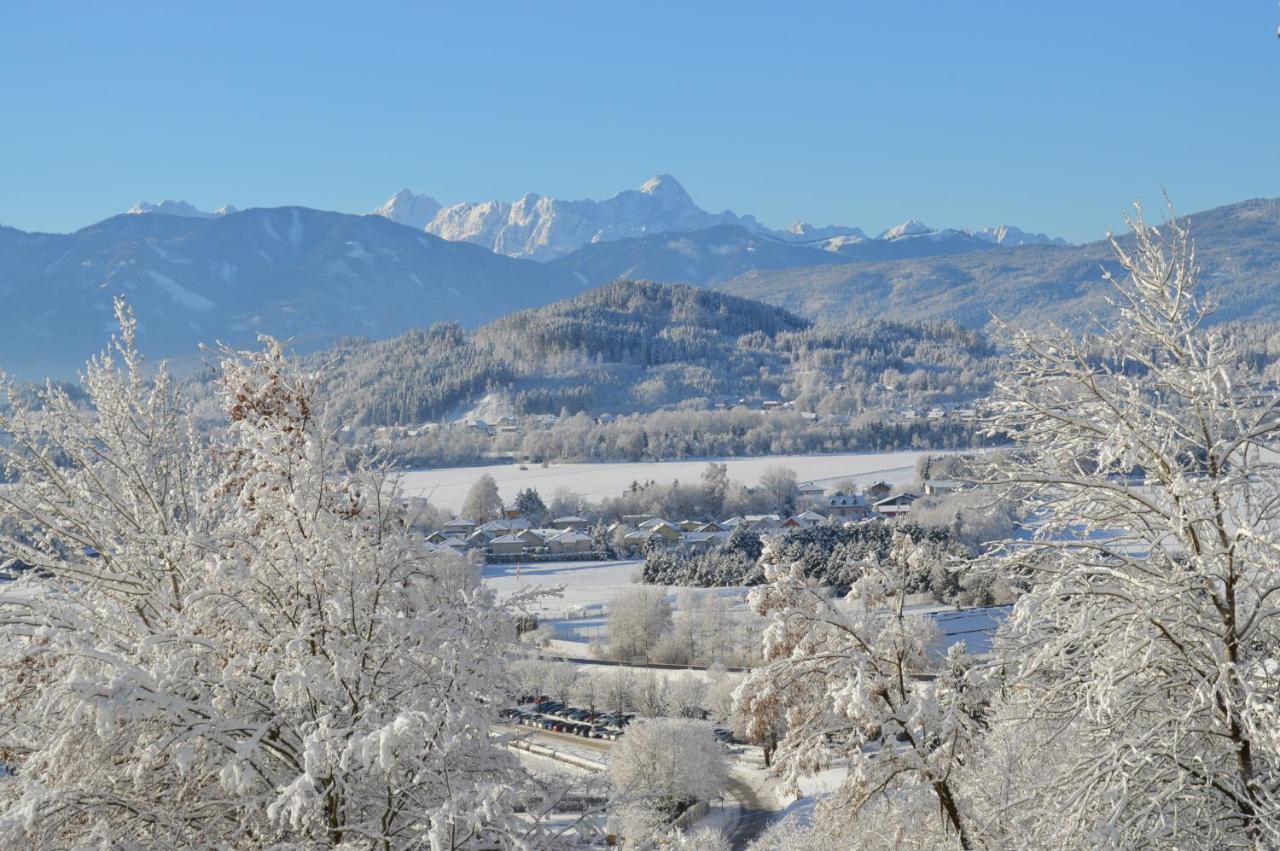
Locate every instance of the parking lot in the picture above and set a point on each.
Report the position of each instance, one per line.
(540, 712)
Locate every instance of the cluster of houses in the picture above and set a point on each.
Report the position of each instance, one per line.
(514, 538)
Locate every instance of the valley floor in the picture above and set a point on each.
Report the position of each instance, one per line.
(447, 487)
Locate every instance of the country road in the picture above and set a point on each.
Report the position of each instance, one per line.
(754, 811)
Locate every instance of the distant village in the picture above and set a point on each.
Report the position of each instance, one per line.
(514, 538)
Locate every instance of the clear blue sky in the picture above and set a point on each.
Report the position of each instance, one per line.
(1049, 115)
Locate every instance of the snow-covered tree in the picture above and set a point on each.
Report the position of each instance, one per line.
(560, 680)
(232, 642)
(853, 679)
(686, 696)
(1148, 644)
(778, 485)
(662, 764)
(530, 505)
(637, 618)
(483, 503)
(617, 689)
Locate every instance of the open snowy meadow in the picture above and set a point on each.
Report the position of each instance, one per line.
(447, 487)
(579, 612)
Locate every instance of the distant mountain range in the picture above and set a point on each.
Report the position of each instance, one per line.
(289, 271)
(316, 276)
(544, 228)
(717, 254)
(178, 208)
(1238, 247)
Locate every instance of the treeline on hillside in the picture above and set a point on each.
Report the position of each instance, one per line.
(831, 554)
(674, 435)
(637, 347)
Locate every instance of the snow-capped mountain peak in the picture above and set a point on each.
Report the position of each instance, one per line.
(911, 227)
(664, 184)
(177, 208)
(404, 207)
(1008, 235)
(541, 227)
(804, 232)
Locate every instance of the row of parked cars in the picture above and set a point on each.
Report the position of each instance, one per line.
(546, 714)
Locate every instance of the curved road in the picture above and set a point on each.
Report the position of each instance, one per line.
(755, 813)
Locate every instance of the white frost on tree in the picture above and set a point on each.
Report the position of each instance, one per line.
(660, 765)
(483, 502)
(637, 619)
(853, 680)
(1144, 657)
(232, 641)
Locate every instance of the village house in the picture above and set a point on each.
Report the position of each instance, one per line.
(508, 524)
(895, 506)
(457, 528)
(877, 491)
(702, 541)
(812, 490)
(570, 521)
(847, 506)
(803, 520)
(479, 539)
(939, 487)
(569, 542)
(762, 522)
(531, 538)
(506, 545)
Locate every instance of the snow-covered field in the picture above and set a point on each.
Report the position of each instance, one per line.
(447, 487)
(584, 582)
(596, 583)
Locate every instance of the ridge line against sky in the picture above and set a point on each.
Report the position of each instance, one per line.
(1052, 117)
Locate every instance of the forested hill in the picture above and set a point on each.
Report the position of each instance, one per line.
(634, 347)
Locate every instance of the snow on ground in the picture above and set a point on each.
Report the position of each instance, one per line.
(596, 583)
(447, 487)
(973, 627)
(585, 582)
